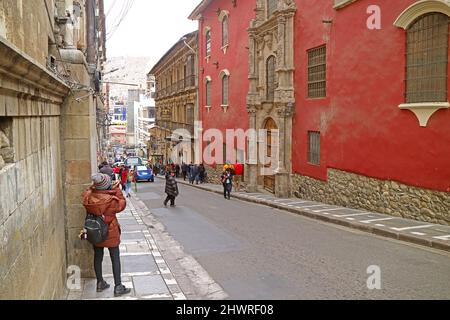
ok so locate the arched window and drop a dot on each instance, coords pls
(208, 92)
(271, 84)
(225, 87)
(208, 42)
(271, 7)
(225, 31)
(427, 59)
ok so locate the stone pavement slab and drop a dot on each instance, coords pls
(417, 232)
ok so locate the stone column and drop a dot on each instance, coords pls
(79, 162)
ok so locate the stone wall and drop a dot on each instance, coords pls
(389, 197)
(32, 225)
(214, 174)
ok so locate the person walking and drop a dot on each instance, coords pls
(106, 169)
(104, 199)
(177, 170)
(227, 182)
(171, 189)
(194, 174)
(124, 177)
(201, 173)
(184, 170)
(130, 179)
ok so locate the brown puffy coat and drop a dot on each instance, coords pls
(107, 203)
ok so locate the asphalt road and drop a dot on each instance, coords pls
(256, 252)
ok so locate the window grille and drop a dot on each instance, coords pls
(225, 31)
(314, 147)
(271, 78)
(427, 59)
(225, 84)
(271, 7)
(208, 93)
(317, 73)
(208, 43)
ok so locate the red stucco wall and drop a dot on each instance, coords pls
(235, 60)
(362, 129)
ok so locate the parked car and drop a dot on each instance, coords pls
(142, 173)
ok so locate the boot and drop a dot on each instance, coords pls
(102, 286)
(121, 290)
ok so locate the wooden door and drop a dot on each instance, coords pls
(269, 181)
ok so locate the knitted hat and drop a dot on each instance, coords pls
(101, 181)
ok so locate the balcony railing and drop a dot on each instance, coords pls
(177, 87)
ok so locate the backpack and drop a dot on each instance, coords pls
(96, 229)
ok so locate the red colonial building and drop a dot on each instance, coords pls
(357, 89)
(223, 69)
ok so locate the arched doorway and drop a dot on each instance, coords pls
(269, 180)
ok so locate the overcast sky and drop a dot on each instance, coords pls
(150, 28)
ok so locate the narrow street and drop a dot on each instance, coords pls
(256, 252)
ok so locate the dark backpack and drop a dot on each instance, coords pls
(96, 229)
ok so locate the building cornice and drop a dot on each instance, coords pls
(339, 4)
(21, 75)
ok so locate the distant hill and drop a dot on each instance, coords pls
(131, 70)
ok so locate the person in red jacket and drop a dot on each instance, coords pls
(105, 199)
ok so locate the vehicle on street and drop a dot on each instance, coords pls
(142, 173)
(133, 161)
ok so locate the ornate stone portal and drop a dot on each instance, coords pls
(271, 93)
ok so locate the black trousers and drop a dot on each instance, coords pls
(171, 199)
(115, 259)
(227, 190)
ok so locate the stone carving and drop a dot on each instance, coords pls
(4, 141)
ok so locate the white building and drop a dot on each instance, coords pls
(144, 119)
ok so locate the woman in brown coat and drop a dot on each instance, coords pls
(104, 199)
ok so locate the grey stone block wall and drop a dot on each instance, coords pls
(32, 222)
(389, 197)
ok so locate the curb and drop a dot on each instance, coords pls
(404, 237)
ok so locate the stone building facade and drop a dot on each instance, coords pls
(48, 141)
(270, 100)
(176, 102)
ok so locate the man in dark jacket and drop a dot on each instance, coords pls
(171, 189)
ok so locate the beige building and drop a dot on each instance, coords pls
(171, 140)
(51, 125)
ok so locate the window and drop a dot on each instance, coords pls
(225, 87)
(271, 78)
(314, 147)
(225, 31)
(427, 59)
(208, 43)
(317, 73)
(271, 7)
(208, 92)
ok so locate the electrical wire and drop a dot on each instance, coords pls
(121, 17)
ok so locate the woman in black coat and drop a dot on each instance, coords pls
(171, 189)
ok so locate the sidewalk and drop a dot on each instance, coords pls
(417, 232)
(144, 270)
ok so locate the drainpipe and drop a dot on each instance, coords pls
(90, 21)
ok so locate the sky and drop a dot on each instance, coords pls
(150, 28)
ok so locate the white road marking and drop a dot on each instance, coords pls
(445, 238)
(351, 215)
(376, 220)
(136, 254)
(318, 205)
(351, 219)
(380, 225)
(325, 210)
(411, 228)
(419, 233)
